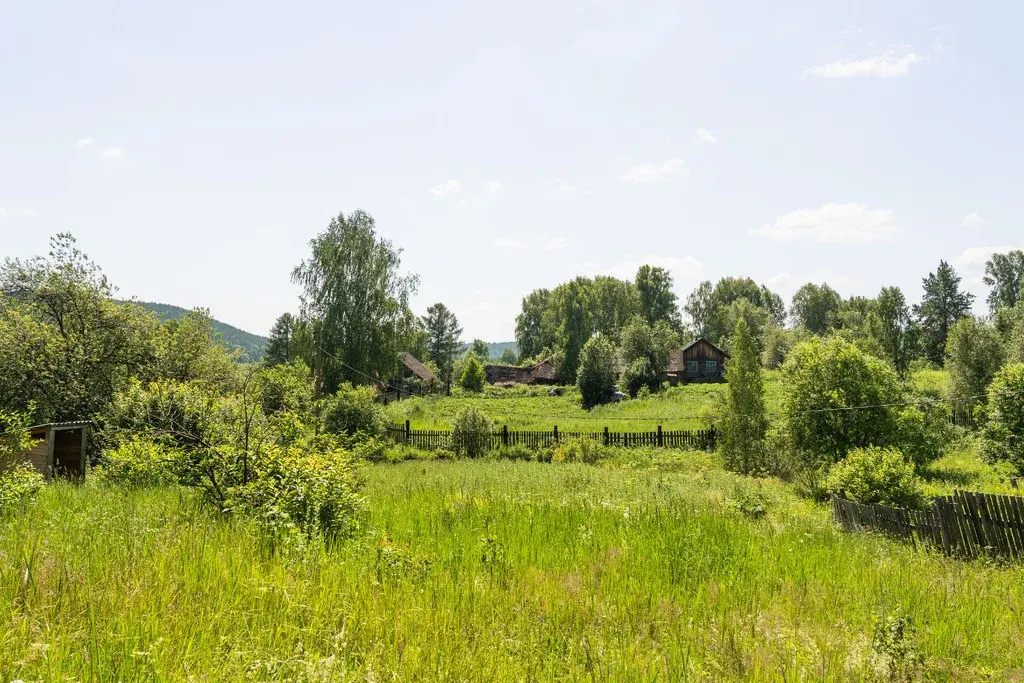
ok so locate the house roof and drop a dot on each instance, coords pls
(417, 368)
(702, 339)
(60, 425)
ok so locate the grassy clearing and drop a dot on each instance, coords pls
(530, 408)
(641, 570)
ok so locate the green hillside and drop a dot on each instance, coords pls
(252, 345)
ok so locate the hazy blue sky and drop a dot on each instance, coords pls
(195, 148)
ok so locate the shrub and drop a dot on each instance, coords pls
(922, 434)
(877, 476)
(298, 491)
(596, 376)
(1003, 429)
(18, 484)
(351, 410)
(825, 378)
(579, 449)
(139, 462)
(471, 433)
(750, 502)
(473, 376)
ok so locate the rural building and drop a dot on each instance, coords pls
(543, 373)
(413, 376)
(698, 361)
(58, 449)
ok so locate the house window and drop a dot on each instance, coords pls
(692, 367)
(710, 366)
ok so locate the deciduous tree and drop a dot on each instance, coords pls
(355, 295)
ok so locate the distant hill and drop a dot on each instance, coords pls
(252, 345)
(498, 348)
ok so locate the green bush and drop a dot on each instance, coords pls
(19, 482)
(596, 376)
(471, 433)
(1003, 430)
(877, 476)
(473, 376)
(351, 410)
(825, 380)
(300, 492)
(923, 433)
(578, 450)
(139, 462)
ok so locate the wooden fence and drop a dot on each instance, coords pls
(704, 439)
(965, 524)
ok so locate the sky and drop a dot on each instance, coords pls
(194, 149)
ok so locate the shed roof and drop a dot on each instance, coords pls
(417, 368)
(60, 425)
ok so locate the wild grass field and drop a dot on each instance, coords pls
(655, 566)
(531, 408)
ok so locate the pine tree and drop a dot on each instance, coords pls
(941, 306)
(443, 334)
(745, 423)
(281, 346)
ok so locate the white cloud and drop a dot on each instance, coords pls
(974, 258)
(563, 189)
(556, 244)
(113, 153)
(973, 221)
(834, 223)
(491, 187)
(649, 173)
(448, 187)
(889, 63)
(506, 243)
(703, 135)
(16, 213)
(85, 143)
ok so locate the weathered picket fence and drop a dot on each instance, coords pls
(703, 439)
(964, 524)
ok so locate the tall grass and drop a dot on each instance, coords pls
(489, 571)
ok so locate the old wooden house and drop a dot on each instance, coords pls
(413, 377)
(542, 373)
(698, 361)
(58, 449)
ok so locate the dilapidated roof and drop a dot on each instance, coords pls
(417, 368)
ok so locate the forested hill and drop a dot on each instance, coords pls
(498, 348)
(252, 345)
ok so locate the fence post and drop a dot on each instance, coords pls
(556, 433)
(660, 440)
(408, 432)
(504, 435)
(605, 436)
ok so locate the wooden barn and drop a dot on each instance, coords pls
(543, 373)
(698, 361)
(413, 377)
(58, 449)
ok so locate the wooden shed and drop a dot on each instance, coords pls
(413, 377)
(58, 449)
(542, 373)
(698, 361)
